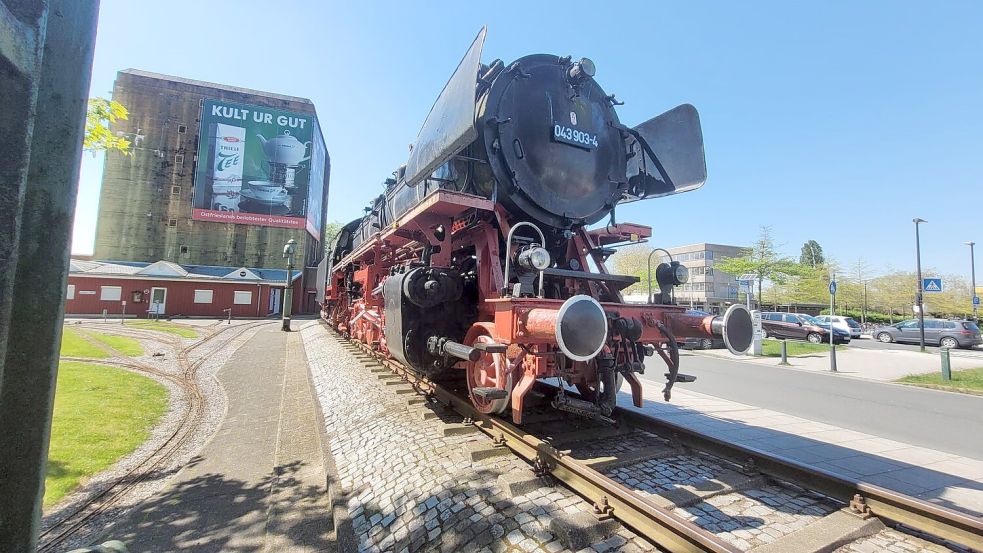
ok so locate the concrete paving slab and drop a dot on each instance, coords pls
(259, 485)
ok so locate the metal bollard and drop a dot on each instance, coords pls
(946, 367)
(783, 346)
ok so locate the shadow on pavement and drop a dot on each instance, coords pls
(215, 513)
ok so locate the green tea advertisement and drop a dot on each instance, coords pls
(259, 166)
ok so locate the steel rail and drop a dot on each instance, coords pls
(863, 498)
(610, 498)
(671, 531)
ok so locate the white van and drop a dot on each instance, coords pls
(842, 323)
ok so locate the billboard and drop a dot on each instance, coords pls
(320, 167)
(256, 166)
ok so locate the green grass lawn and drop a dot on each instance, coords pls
(123, 344)
(183, 331)
(101, 414)
(968, 381)
(772, 348)
(74, 345)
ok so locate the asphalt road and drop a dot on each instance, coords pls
(928, 418)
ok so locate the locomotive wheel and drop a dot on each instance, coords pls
(487, 372)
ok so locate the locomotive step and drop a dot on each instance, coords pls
(491, 348)
(489, 393)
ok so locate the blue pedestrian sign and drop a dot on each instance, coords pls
(832, 287)
(932, 284)
(976, 300)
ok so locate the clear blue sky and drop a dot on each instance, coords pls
(838, 122)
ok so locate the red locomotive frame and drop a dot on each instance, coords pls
(516, 338)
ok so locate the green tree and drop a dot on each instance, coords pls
(761, 260)
(893, 293)
(633, 261)
(810, 284)
(812, 254)
(331, 231)
(99, 115)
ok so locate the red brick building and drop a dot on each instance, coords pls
(171, 290)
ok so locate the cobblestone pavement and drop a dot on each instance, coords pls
(659, 475)
(410, 487)
(756, 517)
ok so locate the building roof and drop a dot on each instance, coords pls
(167, 270)
(193, 82)
(704, 246)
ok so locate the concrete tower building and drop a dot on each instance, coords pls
(218, 175)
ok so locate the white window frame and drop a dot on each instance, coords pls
(105, 291)
(70, 293)
(238, 295)
(200, 296)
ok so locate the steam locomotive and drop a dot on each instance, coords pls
(478, 256)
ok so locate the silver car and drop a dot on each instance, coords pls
(948, 334)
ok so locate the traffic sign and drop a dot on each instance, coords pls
(932, 284)
(832, 287)
(976, 300)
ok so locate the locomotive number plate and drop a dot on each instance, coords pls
(573, 137)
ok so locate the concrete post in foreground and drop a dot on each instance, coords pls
(46, 53)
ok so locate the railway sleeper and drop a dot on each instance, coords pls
(581, 435)
(826, 534)
(728, 481)
(608, 462)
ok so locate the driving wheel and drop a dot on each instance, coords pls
(489, 371)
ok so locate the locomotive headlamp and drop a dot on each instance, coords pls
(671, 274)
(680, 274)
(582, 70)
(535, 258)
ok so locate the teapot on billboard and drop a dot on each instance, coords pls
(255, 166)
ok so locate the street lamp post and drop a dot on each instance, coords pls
(863, 312)
(832, 306)
(972, 265)
(288, 296)
(920, 293)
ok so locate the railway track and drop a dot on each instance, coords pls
(73, 522)
(685, 491)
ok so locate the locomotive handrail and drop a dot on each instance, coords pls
(650, 268)
(508, 253)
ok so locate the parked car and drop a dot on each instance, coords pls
(800, 327)
(843, 323)
(948, 334)
(701, 343)
(840, 336)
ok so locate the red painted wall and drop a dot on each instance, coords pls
(180, 297)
